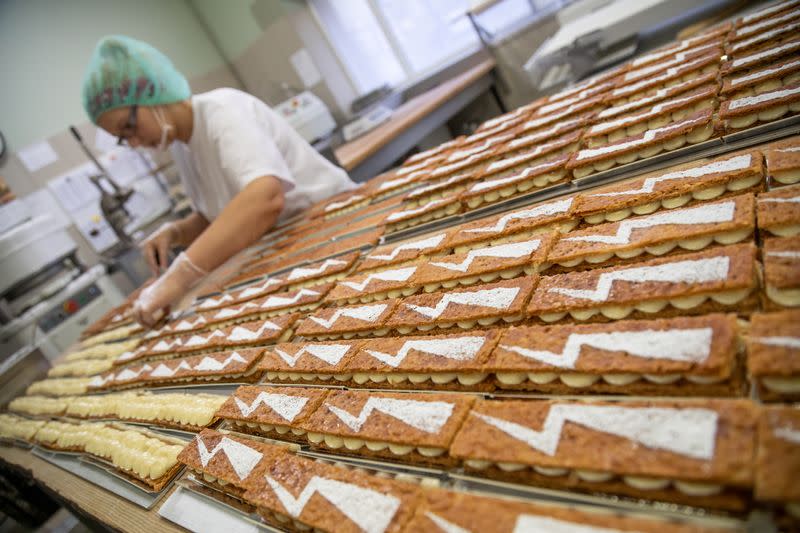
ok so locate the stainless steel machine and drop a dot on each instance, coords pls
(47, 296)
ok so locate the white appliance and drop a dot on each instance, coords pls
(46, 297)
(308, 115)
(366, 122)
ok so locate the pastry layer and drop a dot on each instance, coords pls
(693, 129)
(270, 306)
(391, 254)
(287, 360)
(433, 210)
(629, 356)
(493, 187)
(346, 321)
(727, 276)
(671, 188)
(514, 225)
(230, 460)
(17, 427)
(690, 228)
(782, 270)
(773, 354)
(234, 365)
(420, 422)
(778, 459)
(39, 405)
(742, 112)
(271, 406)
(682, 71)
(763, 56)
(482, 304)
(301, 493)
(778, 211)
(667, 449)
(783, 161)
(460, 512)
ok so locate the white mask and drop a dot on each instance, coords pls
(165, 128)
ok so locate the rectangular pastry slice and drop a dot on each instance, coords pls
(762, 57)
(347, 322)
(407, 427)
(188, 412)
(661, 114)
(654, 97)
(309, 362)
(391, 255)
(773, 355)
(319, 272)
(466, 150)
(15, 427)
(468, 307)
(439, 189)
(485, 264)
(778, 459)
(712, 280)
(443, 362)
(783, 162)
(694, 129)
(254, 290)
(466, 164)
(782, 271)
(697, 452)
(273, 412)
(344, 206)
(684, 356)
(146, 457)
(304, 299)
(640, 237)
(513, 226)
(227, 462)
(671, 188)
(562, 110)
(777, 34)
(380, 285)
(676, 60)
(682, 71)
(461, 512)
(517, 157)
(433, 210)
(520, 179)
(220, 367)
(712, 36)
(59, 386)
(744, 111)
(304, 494)
(770, 10)
(79, 368)
(778, 211)
(180, 324)
(544, 134)
(39, 405)
(760, 80)
(256, 332)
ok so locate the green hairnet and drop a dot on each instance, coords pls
(125, 71)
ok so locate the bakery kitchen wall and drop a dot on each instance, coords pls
(46, 46)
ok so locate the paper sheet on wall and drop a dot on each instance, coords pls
(37, 156)
(304, 66)
(74, 189)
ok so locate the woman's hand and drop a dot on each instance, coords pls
(154, 301)
(157, 246)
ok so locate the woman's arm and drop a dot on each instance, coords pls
(247, 217)
(189, 228)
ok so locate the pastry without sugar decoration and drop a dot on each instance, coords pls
(781, 258)
(778, 211)
(773, 354)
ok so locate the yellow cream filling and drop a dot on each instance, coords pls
(436, 214)
(581, 380)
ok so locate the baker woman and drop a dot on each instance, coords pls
(243, 167)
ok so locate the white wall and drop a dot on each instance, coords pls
(46, 45)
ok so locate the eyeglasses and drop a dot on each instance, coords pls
(129, 129)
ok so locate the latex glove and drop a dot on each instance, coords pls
(153, 302)
(157, 246)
